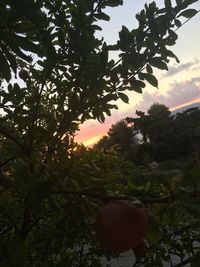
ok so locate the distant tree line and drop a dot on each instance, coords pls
(157, 136)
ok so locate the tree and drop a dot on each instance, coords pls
(186, 134)
(160, 132)
(120, 134)
(71, 79)
(140, 124)
(155, 129)
(167, 136)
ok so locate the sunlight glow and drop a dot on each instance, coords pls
(91, 141)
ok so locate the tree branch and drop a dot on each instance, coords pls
(110, 197)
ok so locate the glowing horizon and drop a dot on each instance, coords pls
(186, 104)
(89, 142)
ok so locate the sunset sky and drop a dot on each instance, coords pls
(177, 87)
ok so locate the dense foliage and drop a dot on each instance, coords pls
(164, 148)
(156, 136)
(50, 187)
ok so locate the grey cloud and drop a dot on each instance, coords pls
(179, 94)
(196, 68)
(180, 67)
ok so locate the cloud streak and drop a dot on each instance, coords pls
(179, 94)
(179, 68)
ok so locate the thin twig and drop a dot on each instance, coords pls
(110, 197)
(175, 233)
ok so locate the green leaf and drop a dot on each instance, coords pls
(16, 251)
(192, 206)
(189, 13)
(11, 58)
(112, 177)
(113, 3)
(101, 118)
(138, 90)
(169, 53)
(28, 9)
(125, 38)
(102, 16)
(26, 45)
(10, 88)
(152, 233)
(4, 67)
(25, 27)
(158, 63)
(13, 44)
(177, 23)
(192, 176)
(149, 69)
(123, 97)
(61, 38)
(113, 47)
(195, 260)
(96, 28)
(191, 1)
(172, 34)
(150, 79)
(137, 85)
(168, 4)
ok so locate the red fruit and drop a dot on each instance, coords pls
(120, 226)
(140, 250)
(23, 74)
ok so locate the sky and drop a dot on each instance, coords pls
(178, 86)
